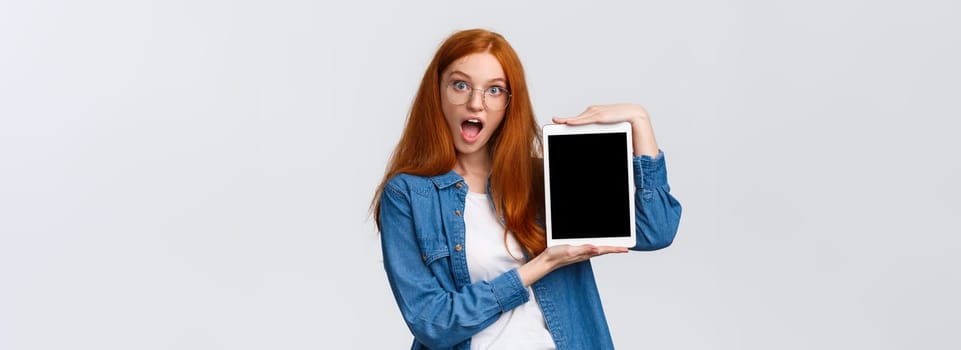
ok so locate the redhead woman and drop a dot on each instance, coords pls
(461, 206)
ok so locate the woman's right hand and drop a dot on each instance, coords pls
(559, 256)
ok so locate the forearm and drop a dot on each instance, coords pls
(644, 142)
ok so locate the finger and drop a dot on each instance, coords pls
(594, 114)
(583, 119)
(612, 249)
(567, 119)
(591, 114)
(594, 251)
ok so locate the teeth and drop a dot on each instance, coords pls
(475, 121)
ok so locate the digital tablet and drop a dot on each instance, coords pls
(588, 184)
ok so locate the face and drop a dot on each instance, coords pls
(472, 122)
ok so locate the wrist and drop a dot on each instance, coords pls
(641, 120)
(535, 269)
(543, 261)
(640, 115)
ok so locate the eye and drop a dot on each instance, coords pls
(460, 85)
(496, 91)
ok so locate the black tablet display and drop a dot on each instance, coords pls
(588, 174)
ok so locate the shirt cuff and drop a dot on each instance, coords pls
(509, 291)
(651, 170)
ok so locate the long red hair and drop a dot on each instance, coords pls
(426, 148)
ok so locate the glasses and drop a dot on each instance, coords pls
(495, 98)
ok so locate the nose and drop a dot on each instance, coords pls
(476, 101)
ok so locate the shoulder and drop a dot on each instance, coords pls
(403, 184)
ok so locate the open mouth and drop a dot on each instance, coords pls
(470, 128)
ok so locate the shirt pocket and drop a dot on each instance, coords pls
(431, 255)
(431, 236)
(429, 229)
(433, 250)
(436, 256)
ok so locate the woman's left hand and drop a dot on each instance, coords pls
(644, 142)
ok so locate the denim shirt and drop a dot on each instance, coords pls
(425, 258)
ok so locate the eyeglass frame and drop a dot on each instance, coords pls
(470, 95)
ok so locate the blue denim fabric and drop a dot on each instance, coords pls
(425, 259)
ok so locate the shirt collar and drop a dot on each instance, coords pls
(446, 180)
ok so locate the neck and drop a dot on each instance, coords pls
(474, 168)
(473, 164)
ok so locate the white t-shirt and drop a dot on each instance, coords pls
(522, 327)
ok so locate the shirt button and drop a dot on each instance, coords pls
(458, 247)
(457, 212)
(459, 185)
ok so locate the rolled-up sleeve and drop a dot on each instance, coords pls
(657, 212)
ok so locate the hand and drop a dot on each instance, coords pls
(566, 254)
(607, 114)
(644, 142)
(559, 256)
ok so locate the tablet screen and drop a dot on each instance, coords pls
(589, 193)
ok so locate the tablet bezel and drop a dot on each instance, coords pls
(562, 129)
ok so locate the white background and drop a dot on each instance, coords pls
(197, 174)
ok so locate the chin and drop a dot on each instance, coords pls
(469, 149)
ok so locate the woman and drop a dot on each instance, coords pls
(461, 205)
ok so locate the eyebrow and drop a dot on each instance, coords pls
(502, 80)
